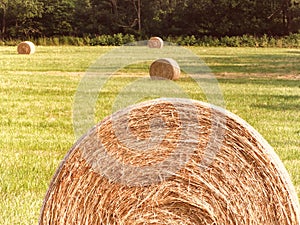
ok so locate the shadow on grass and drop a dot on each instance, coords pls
(257, 63)
(280, 103)
(279, 107)
(247, 79)
(294, 52)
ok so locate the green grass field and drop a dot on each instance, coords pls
(262, 86)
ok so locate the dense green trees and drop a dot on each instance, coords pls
(19, 18)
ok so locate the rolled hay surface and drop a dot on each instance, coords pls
(155, 42)
(26, 47)
(122, 171)
(165, 68)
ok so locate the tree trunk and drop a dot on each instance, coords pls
(3, 30)
(286, 15)
(3, 22)
(137, 8)
(139, 16)
(114, 6)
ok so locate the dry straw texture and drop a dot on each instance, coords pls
(26, 47)
(245, 183)
(165, 68)
(155, 42)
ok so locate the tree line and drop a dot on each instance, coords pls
(144, 18)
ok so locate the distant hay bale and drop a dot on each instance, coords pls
(26, 47)
(165, 68)
(117, 173)
(155, 42)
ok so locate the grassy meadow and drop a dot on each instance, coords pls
(261, 85)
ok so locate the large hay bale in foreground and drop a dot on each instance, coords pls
(155, 42)
(165, 68)
(26, 47)
(122, 171)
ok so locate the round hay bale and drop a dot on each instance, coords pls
(102, 179)
(165, 68)
(155, 42)
(26, 47)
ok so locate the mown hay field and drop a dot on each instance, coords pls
(261, 85)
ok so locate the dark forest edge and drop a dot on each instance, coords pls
(288, 41)
(21, 19)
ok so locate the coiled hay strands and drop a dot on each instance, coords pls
(26, 47)
(165, 68)
(155, 42)
(171, 161)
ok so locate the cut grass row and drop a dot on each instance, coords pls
(37, 94)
